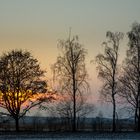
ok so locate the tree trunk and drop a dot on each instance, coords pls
(74, 107)
(17, 124)
(114, 115)
(74, 100)
(136, 118)
(139, 120)
(74, 117)
(139, 112)
(138, 88)
(74, 91)
(138, 103)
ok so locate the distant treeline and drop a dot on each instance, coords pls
(62, 124)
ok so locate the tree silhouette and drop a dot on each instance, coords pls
(64, 109)
(20, 84)
(131, 77)
(128, 85)
(71, 73)
(107, 69)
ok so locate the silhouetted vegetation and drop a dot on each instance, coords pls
(107, 67)
(71, 74)
(130, 79)
(22, 87)
(20, 84)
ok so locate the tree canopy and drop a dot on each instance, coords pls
(21, 83)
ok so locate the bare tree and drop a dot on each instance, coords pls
(71, 74)
(128, 86)
(63, 108)
(131, 78)
(21, 84)
(107, 69)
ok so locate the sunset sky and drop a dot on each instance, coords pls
(37, 25)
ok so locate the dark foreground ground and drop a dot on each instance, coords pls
(69, 136)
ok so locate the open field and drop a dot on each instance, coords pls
(69, 136)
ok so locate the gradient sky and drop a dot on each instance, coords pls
(37, 25)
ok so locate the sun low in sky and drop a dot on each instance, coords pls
(38, 25)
